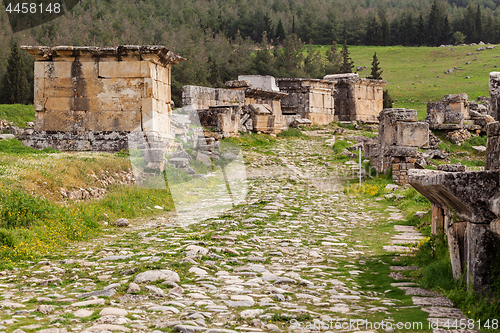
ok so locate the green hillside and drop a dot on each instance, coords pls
(17, 113)
(415, 75)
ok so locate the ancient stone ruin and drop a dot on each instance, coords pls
(495, 94)
(455, 112)
(251, 103)
(400, 135)
(102, 98)
(270, 105)
(357, 99)
(466, 207)
(308, 98)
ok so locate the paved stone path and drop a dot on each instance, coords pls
(297, 256)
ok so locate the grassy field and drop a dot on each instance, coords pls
(415, 75)
(17, 113)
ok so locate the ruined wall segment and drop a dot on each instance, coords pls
(82, 92)
(466, 206)
(400, 136)
(495, 94)
(357, 99)
(309, 98)
(245, 105)
(456, 112)
(201, 98)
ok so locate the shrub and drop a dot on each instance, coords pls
(292, 133)
(6, 238)
(340, 145)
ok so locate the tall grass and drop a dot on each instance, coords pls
(33, 226)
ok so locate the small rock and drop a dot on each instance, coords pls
(479, 149)
(188, 328)
(113, 312)
(155, 290)
(105, 292)
(197, 271)
(273, 328)
(391, 187)
(420, 214)
(252, 313)
(257, 323)
(133, 288)
(45, 309)
(121, 222)
(151, 276)
(83, 313)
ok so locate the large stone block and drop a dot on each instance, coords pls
(468, 193)
(412, 134)
(59, 104)
(118, 104)
(163, 74)
(149, 70)
(67, 120)
(39, 69)
(495, 94)
(155, 122)
(39, 93)
(113, 121)
(493, 153)
(456, 245)
(61, 70)
(481, 259)
(60, 87)
(120, 69)
(123, 88)
(264, 82)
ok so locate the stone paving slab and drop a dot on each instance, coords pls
(432, 301)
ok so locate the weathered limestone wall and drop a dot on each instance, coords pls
(400, 136)
(357, 98)
(258, 109)
(455, 112)
(262, 121)
(101, 93)
(369, 100)
(223, 119)
(201, 98)
(311, 99)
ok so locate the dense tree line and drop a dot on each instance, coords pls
(225, 38)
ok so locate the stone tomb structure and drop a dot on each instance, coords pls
(357, 99)
(308, 98)
(245, 105)
(100, 98)
(455, 112)
(400, 135)
(466, 207)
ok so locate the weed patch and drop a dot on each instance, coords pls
(292, 133)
